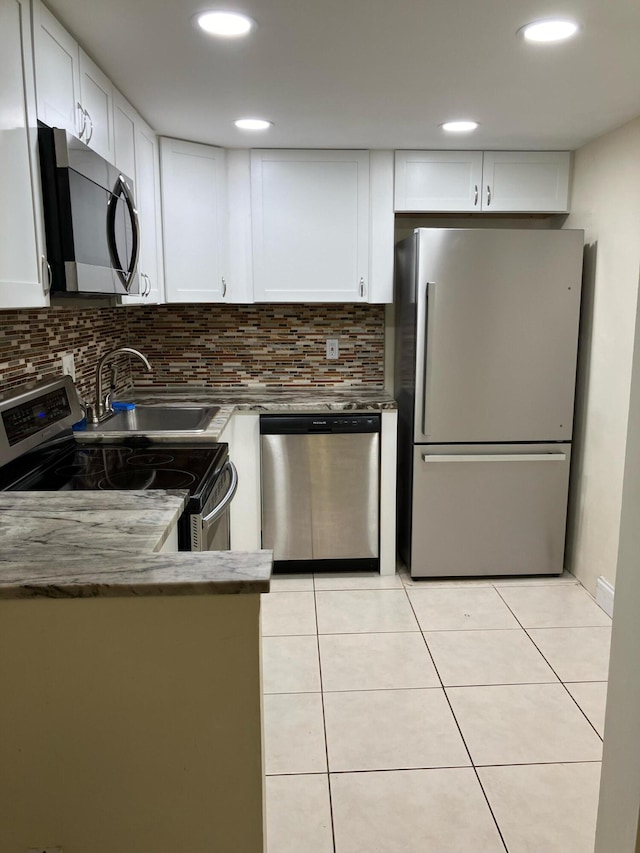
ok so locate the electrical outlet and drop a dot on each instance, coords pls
(69, 369)
(332, 348)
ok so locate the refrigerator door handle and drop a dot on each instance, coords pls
(496, 457)
(424, 366)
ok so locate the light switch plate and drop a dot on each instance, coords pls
(332, 348)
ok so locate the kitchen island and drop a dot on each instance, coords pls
(131, 696)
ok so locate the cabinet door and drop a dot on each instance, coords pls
(438, 180)
(148, 200)
(21, 231)
(57, 73)
(193, 181)
(310, 212)
(125, 119)
(527, 181)
(96, 97)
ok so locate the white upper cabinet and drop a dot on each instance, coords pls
(96, 97)
(149, 210)
(194, 218)
(71, 90)
(24, 281)
(125, 119)
(136, 155)
(473, 181)
(531, 181)
(310, 223)
(57, 66)
(438, 180)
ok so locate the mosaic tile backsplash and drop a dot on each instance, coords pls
(33, 341)
(259, 345)
(240, 346)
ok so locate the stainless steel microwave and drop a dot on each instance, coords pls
(91, 223)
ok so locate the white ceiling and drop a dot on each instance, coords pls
(369, 73)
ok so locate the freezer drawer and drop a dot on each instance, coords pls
(320, 496)
(489, 509)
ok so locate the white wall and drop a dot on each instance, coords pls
(620, 784)
(606, 204)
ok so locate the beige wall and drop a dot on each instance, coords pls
(606, 204)
(131, 725)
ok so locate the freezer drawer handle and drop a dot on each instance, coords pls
(497, 457)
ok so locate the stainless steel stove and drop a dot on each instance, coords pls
(40, 453)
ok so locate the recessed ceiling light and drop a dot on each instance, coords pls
(253, 124)
(459, 126)
(549, 30)
(228, 24)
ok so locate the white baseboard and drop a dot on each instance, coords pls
(604, 595)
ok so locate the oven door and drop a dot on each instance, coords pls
(210, 529)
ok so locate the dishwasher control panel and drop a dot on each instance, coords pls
(320, 423)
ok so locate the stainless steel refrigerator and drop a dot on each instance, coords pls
(486, 346)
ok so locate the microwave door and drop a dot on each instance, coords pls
(123, 235)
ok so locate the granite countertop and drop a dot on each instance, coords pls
(88, 544)
(245, 400)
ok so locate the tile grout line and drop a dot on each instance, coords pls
(324, 719)
(573, 699)
(424, 640)
(435, 768)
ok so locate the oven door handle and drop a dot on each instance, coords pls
(219, 508)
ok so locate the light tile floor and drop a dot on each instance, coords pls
(432, 716)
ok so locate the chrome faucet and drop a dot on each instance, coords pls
(102, 409)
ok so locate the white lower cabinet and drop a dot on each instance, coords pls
(24, 280)
(488, 182)
(194, 216)
(242, 433)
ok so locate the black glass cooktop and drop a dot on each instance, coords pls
(80, 467)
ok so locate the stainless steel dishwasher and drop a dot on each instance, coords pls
(321, 490)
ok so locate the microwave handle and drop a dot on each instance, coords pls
(122, 189)
(219, 508)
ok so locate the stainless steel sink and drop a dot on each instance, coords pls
(154, 420)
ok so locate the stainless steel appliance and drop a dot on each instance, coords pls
(320, 490)
(38, 453)
(486, 344)
(91, 224)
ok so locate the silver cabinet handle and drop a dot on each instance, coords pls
(48, 278)
(217, 511)
(224, 287)
(488, 195)
(361, 286)
(83, 115)
(496, 457)
(475, 196)
(88, 139)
